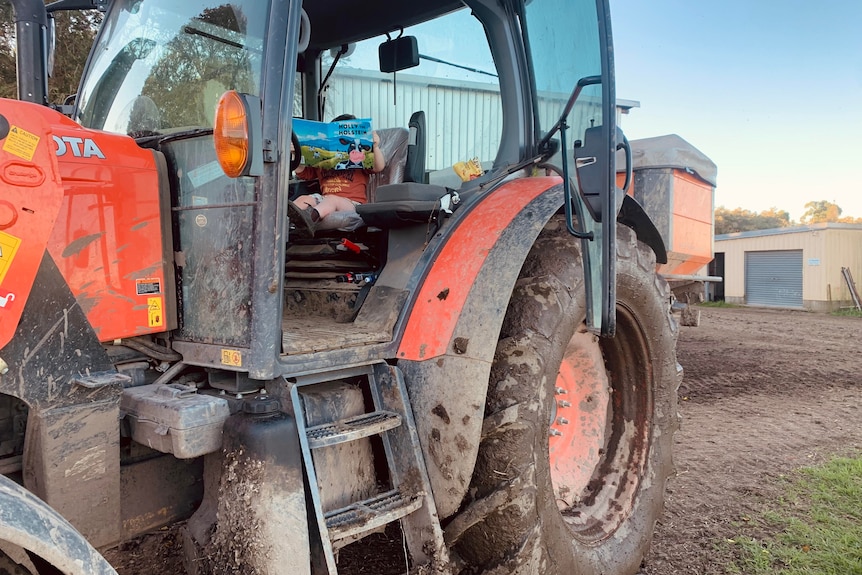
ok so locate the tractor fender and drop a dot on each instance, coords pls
(28, 523)
(453, 323)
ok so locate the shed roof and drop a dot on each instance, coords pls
(789, 230)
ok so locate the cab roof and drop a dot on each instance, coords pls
(337, 22)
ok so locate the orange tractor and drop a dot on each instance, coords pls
(486, 367)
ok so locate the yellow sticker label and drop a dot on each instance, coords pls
(231, 357)
(8, 248)
(21, 143)
(155, 317)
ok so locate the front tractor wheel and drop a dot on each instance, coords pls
(577, 439)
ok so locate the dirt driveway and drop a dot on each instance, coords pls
(764, 392)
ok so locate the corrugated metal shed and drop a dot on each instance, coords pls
(825, 249)
(475, 107)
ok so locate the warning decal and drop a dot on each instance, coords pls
(148, 286)
(231, 357)
(155, 316)
(8, 248)
(21, 143)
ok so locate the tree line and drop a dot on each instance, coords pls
(75, 31)
(741, 220)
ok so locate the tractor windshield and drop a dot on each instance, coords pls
(160, 66)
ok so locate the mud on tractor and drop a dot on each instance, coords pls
(485, 366)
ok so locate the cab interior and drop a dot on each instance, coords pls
(343, 288)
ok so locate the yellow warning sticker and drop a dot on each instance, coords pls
(8, 248)
(155, 317)
(21, 143)
(231, 357)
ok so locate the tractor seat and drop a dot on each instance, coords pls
(404, 151)
(404, 204)
(393, 146)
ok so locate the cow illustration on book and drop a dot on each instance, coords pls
(356, 151)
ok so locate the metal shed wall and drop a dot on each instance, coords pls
(843, 248)
(826, 248)
(475, 106)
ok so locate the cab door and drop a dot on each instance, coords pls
(571, 56)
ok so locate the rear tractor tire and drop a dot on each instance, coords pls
(577, 440)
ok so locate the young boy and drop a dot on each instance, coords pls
(340, 190)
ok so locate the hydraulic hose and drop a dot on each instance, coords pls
(151, 349)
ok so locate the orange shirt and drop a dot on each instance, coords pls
(350, 183)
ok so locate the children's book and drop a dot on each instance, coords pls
(339, 145)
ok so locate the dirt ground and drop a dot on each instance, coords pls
(765, 392)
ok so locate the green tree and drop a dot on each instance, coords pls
(75, 32)
(740, 220)
(821, 211)
(190, 62)
(7, 53)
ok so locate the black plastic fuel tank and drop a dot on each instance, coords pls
(262, 524)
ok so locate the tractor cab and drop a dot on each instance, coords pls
(463, 96)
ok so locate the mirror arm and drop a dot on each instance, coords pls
(567, 192)
(322, 87)
(583, 82)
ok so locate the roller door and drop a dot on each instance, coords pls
(774, 278)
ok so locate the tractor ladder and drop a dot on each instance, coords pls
(345, 509)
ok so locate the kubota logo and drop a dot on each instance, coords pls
(80, 147)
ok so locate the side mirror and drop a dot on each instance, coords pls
(591, 161)
(399, 54)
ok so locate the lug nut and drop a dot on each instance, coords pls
(559, 391)
(564, 403)
(562, 421)
(555, 433)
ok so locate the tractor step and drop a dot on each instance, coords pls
(351, 428)
(402, 491)
(370, 514)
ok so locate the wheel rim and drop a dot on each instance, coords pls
(578, 418)
(599, 435)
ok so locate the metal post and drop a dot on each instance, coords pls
(31, 29)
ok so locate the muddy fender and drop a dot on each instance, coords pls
(28, 523)
(454, 321)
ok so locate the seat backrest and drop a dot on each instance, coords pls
(393, 146)
(415, 168)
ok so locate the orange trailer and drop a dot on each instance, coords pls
(675, 183)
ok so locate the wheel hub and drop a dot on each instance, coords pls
(599, 436)
(579, 419)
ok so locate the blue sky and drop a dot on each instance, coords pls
(770, 90)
